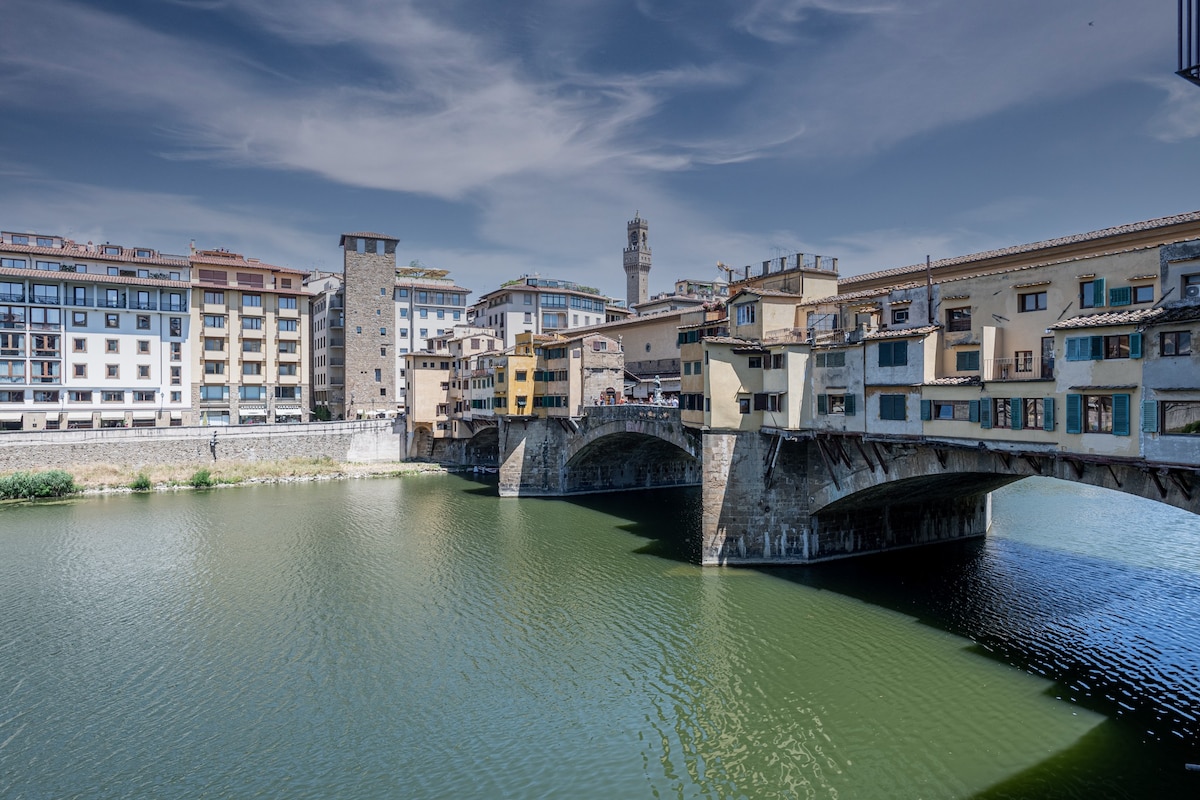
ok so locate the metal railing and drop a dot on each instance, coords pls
(1023, 368)
(1189, 41)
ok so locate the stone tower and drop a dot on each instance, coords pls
(369, 261)
(637, 261)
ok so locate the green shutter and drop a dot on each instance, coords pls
(849, 405)
(1075, 348)
(1149, 416)
(1048, 414)
(985, 412)
(822, 404)
(681, 338)
(1097, 346)
(1135, 345)
(1074, 413)
(885, 354)
(926, 409)
(973, 410)
(1098, 297)
(1016, 413)
(1121, 414)
(900, 353)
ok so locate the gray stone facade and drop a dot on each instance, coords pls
(370, 342)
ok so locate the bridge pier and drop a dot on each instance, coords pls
(771, 500)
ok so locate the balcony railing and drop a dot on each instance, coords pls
(143, 305)
(45, 299)
(1189, 40)
(108, 303)
(1027, 368)
(168, 306)
(19, 297)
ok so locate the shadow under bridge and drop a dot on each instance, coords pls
(621, 448)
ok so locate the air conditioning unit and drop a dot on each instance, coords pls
(1192, 291)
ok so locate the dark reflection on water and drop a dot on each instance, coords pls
(1095, 590)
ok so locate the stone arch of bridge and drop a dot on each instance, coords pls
(927, 475)
(624, 432)
(619, 459)
(483, 448)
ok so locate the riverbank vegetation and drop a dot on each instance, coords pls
(31, 485)
(199, 475)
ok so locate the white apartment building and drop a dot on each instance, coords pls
(429, 304)
(92, 335)
(542, 306)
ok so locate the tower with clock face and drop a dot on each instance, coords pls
(637, 261)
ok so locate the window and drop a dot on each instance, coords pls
(290, 347)
(143, 346)
(79, 370)
(949, 409)
(252, 301)
(44, 318)
(1033, 412)
(252, 393)
(899, 316)
(958, 319)
(214, 321)
(79, 396)
(1143, 294)
(1001, 412)
(289, 303)
(213, 345)
(893, 406)
(13, 263)
(176, 376)
(176, 351)
(176, 326)
(13, 344)
(211, 393)
(746, 313)
(1116, 346)
(45, 395)
(252, 323)
(214, 298)
(10, 395)
(1023, 361)
(378, 375)
(176, 397)
(78, 344)
(287, 369)
(252, 345)
(252, 368)
(1175, 343)
(893, 354)
(1098, 413)
(966, 361)
(835, 404)
(1032, 301)
(754, 362)
(1091, 293)
(1180, 417)
(112, 371)
(833, 359)
(112, 345)
(214, 367)
(290, 325)
(79, 319)
(1120, 295)
(743, 405)
(383, 331)
(146, 396)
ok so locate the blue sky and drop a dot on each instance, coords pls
(497, 138)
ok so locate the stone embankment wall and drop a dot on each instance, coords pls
(366, 441)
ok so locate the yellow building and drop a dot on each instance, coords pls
(250, 358)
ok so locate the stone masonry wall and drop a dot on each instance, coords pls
(370, 285)
(365, 442)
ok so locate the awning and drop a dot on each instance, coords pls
(112, 415)
(176, 415)
(79, 416)
(144, 415)
(252, 412)
(287, 409)
(10, 416)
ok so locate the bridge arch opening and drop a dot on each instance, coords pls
(624, 460)
(483, 449)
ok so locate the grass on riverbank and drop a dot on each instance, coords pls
(117, 477)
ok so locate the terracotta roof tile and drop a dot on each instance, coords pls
(956, 380)
(1106, 318)
(899, 333)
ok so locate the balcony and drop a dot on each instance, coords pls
(118, 302)
(12, 297)
(337, 321)
(143, 305)
(45, 299)
(1028, 368)
(335, 342)
(177, 307)
(85, 302)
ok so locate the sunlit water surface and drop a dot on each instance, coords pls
(422, 638)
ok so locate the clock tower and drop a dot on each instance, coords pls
(637, 261)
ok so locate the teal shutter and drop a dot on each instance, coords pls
(1048, 414)
(822, 404)
(1074, 348)
(900, 353)
(1121, 414)
(1097, 346)
(1098, 297)
(1074, 413)
(926, 409)
(1149, 416)
(1120, 296)
(973, 410)
(985, 412)
(849, 401)
(885, 354)
(1016, 413)
(1135, 345)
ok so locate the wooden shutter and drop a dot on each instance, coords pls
(973, 410)
(849, 405)
(1074, 413)
(1149, 416)
(1120, 414)
(822, 404)
(985, 412)
(926, 409)
(1135, 345)
(1048, 413)
(1016, 413)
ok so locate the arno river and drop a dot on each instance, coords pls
(422, 638)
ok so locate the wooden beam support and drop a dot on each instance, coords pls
(1004, 459)
(941, 457)
(828, 466)
(862, 452)
(1162, 490)
(1113, 472)
(1032, 462)
(1177, 479)
(879, 457)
